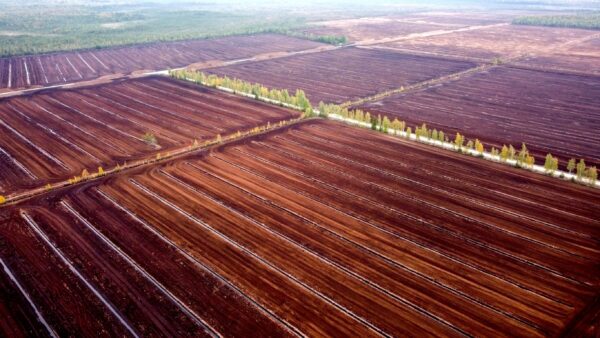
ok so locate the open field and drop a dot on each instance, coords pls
(373, 28)
(551, 112)
(50, 69)
(460, 18)
(343, 74)
(319, 229)
(583, 57)
(501, 41)
(56, 134)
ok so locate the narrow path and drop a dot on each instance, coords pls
(174, 299)
(76, 272)
(25, 294)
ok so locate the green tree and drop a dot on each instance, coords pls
(504, 153)
(551, 163)
(511, 152)
(523, 153)
(441, 136)
(368, 118)
(479, 147)
(458, 141)
(592, 175)
(530, 160)
(385, 124)
(571, 165)
(580, 169)
(149, 138)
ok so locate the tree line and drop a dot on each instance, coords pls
(507, 153)
(298, 99)
(584, 21)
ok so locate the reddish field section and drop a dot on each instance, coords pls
(49, 69)
(550, 112)
(319, 230)
(343, 74)
(373, 28)
(500, 41)
(583, 57)
(56, 134)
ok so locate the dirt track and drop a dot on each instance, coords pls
(41, 143)
(551, 112)
(357, 231)
(57, 68)
(344, 74)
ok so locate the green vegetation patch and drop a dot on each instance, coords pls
(33, 30)
(583, 21)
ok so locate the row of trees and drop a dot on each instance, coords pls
(298, 99)
(85, 175)
(507, 153)
(580, 168)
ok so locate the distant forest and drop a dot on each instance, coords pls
(41, 29)
(584, 21)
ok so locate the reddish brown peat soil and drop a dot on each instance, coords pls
(372, 28)
(583, 57)
(344, 74)
(503, 41)
(49, 69)
(324, 229)
(18, 319)
(551, 112)
(461, 18)
(167, 295)
(56, 134)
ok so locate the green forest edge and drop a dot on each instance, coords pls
(577, 170)
(582, 21)
(13, 50)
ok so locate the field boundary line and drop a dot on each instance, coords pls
(180, 304)
(427, 34)
(261, 308)
(479, 187)
(18, 164)
(201, 265)
(375, 253)
(417, 219)
(150, 160)
(53, 133)
(25, 294)
(445, 192)
(35, 146)
(76, 272)
(260, 259)
(323, 258)
(388, 232)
